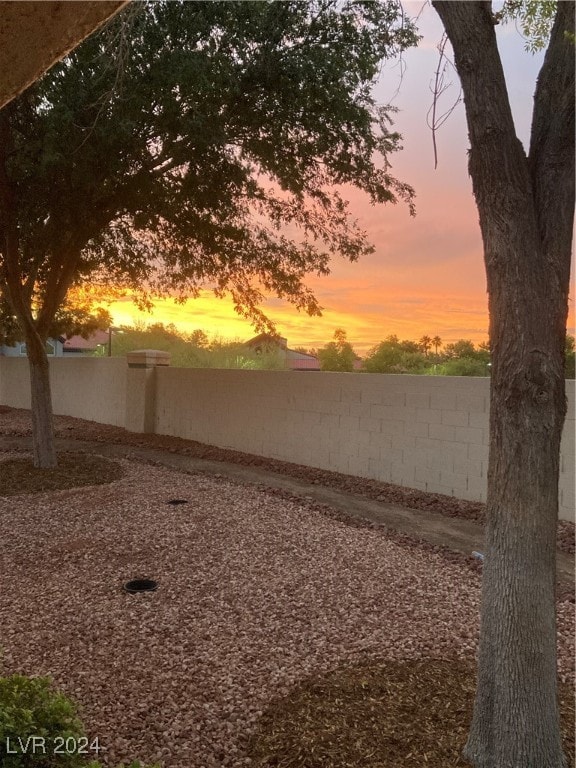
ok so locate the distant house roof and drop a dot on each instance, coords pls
(301, 361)
(18, 349)
(295, 361)
(80, 344)
(266, 340)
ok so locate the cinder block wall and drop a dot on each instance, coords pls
(423, 432)
(14, 382)
(91, 388)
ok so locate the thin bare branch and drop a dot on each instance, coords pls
(440, 86)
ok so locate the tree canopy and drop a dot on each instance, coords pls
(395, 356)
(175, 161)
(337, 355)
(173, 150)
(78, 315)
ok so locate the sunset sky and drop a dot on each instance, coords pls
(426, 275)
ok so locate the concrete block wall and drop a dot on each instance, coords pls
(14, 382)
(90, 388)
(424, 432)
(421, 432)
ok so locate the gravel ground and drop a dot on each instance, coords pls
(15, 421)
(255, 594)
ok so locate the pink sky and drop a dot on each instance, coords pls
(426, 275)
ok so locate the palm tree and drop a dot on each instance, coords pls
(437, 342)
(425, 344)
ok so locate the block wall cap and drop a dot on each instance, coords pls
(148, 358)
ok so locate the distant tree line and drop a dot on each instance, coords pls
(461, 358)
(192, 350)
(337, 355)
(428, 356)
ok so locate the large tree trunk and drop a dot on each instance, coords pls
(526, 215)
(44, 451)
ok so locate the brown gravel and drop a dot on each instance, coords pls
(256, 594)
(272, 623)
(15, 421)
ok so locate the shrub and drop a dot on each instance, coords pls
(40, 728)
(31, 707)
(465, 366)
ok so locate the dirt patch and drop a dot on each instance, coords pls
(19, 475)
(404, 714)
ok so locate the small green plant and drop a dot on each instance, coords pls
(133, 764)
(40, 728)
(33, 715)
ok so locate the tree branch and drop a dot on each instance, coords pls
(551, 157)
(493, 140)
(434, 121)
(55, 293)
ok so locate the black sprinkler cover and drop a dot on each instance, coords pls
(140, 585)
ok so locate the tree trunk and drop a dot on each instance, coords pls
(526, 213)
(44, 451)
(20, 302)
(516, 723)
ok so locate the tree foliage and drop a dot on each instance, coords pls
(395, 356)
(195, 349)
(535, 18)
(178, 160)
(74, 318)
(175, 163)
(464, 366)
(337, 355)
(425, 344)
(460, 348)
